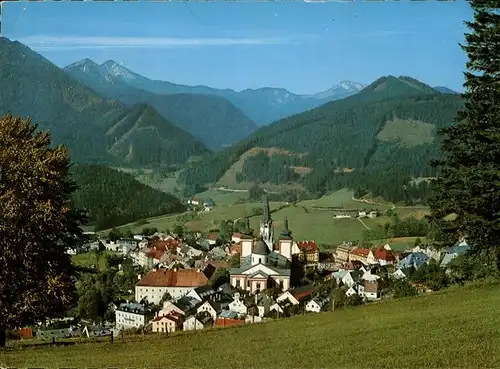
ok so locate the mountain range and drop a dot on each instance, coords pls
(262, 106)
(211, 119)
(96, 129)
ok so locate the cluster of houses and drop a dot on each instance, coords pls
(177, 278)
(363, 213)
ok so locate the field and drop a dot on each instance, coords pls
(308, 220)
(431, 331)
(90, 258)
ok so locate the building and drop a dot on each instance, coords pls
(309, 252)
(177, 282)
(263, 265)
(342, 253)
(317, 305)
(365, 256)
(167, 323)
(383, 256)
(296, 295)
(132, 315)
(194, 323)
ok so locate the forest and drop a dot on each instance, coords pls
(342, 135)
(112, 198)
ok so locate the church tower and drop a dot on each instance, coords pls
(266, 224)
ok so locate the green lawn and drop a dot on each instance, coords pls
(91, 258)
(342, 199)
(452, 329)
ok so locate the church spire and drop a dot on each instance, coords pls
(286, 231)
(266, 216)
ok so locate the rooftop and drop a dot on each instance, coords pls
(174, 278)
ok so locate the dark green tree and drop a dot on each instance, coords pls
(37, 225)
(466, 199)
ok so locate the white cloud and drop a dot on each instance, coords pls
(104, 42)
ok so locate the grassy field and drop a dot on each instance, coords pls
(90, 258)
(308, 220)
(432, 331)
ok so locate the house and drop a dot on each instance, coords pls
(263, 303)
(208, 205)
(415, 260)
(362, 214)
(228, 315)
(342, 253)
(383, 256)
(177, 282)
(132, 315)
(347, 277)
(212, 238)
(235, 249)
(402, 273)
(167, 323)
(225, 322)
(188, 251)
(362, 255)
(201, 293)
(217, 253)
(90, 331)
(317, 304)
(194, 323)
(211, 307)
(309, 252)
(296, 295)
(373, 214)
(194, 202)
(370, 290)
(452, 252)
(236, 237)
(183, 306)
(57, 333)
(238, 306)
(353, 290)
(342, 214)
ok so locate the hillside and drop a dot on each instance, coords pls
(211, 119)
(262, 106)
(376, 140)
(81, 119)
(113, 198)
(436, 330)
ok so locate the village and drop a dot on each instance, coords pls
(248, 280)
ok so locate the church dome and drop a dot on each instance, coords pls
(260, 248)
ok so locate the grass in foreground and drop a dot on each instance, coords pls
(452, 329)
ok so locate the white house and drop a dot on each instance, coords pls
(210, 307)
(351, 291)
(200, 293)
(238, 306)
(132, 315)
(167, 323)
(194, 323)
(316, 305)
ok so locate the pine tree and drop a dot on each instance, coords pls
(466, 199)
(37, 225)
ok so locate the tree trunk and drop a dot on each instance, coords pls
(3, 337)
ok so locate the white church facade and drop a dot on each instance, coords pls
(264, 264)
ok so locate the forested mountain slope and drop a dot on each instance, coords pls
(114, 198)
(376, 140)
(81, 119)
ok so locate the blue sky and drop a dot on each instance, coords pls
(303, 47)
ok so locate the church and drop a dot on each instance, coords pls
(264, 264)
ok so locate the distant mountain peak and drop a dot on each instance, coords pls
(339, 91)
(117, 70)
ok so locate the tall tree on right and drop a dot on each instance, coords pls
(466, 200)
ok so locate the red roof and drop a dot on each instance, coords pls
(237, 235)
(360, 252)
(155, 254)
(382, 254)
(213, 237)
(164, 245)
(308, 246)
(228, 322)
(174, 278)
(302, 292)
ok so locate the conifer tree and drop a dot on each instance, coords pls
(466, 199)
(37, 225)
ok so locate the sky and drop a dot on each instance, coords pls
(303, 47)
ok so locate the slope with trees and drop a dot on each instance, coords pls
(82, 120)
(346, 134)
(113, 198)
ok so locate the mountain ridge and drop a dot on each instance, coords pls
(74, 113)
(262, 106)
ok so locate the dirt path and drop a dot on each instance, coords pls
(364, 225)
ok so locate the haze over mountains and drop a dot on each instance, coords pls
(262, 105)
